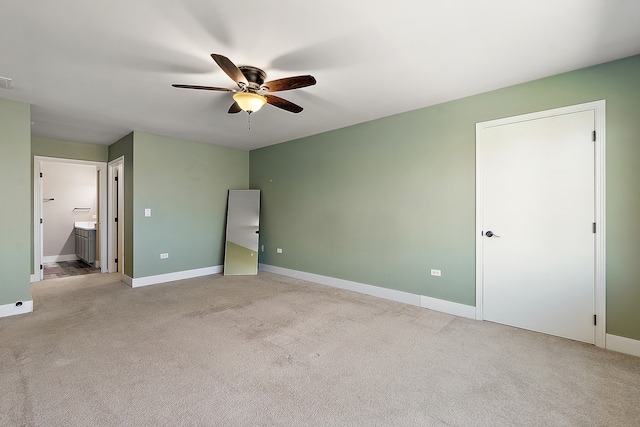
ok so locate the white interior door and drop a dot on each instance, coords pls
(243, 220)
(538, 213)
(116, 216)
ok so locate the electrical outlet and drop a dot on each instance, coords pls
(279, 250)
(164, 256)
(435, 272)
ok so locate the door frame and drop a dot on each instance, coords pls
(599, 214)
(116, 230)
(38, 240)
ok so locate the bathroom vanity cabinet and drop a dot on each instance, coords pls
(86, 244)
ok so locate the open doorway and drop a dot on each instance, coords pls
(70, 211)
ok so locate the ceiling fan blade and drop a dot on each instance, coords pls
(289, 83)
(235, 108)
(231, 69)
(223, 89)
(283, 103)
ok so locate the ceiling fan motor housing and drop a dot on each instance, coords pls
(255, 76)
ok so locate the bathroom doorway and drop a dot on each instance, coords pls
(70, 212)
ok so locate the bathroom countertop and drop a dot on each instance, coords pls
(85, 225)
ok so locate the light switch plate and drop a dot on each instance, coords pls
(147, 212)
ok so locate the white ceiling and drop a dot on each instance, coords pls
(93, 71)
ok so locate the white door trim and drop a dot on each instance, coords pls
(117, 164)
(600, 206)
(101, 167)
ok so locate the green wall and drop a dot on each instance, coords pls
(185, 185)
(15, 136)
(383, 202)
(49, 147)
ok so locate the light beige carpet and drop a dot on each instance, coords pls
(274, 351)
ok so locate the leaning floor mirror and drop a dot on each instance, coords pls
(243, 221)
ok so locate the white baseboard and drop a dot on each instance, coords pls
(361, 288)
(377, 291)
(622, 345)
(34, 278)
(59, 258)
(457, 309)
(13, 309)
(170, 277)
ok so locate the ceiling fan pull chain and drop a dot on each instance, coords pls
(249, 119)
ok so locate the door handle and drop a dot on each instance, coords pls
(491, 234)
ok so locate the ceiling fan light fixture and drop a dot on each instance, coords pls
(249, 102)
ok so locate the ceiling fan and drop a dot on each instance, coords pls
(253, 90)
